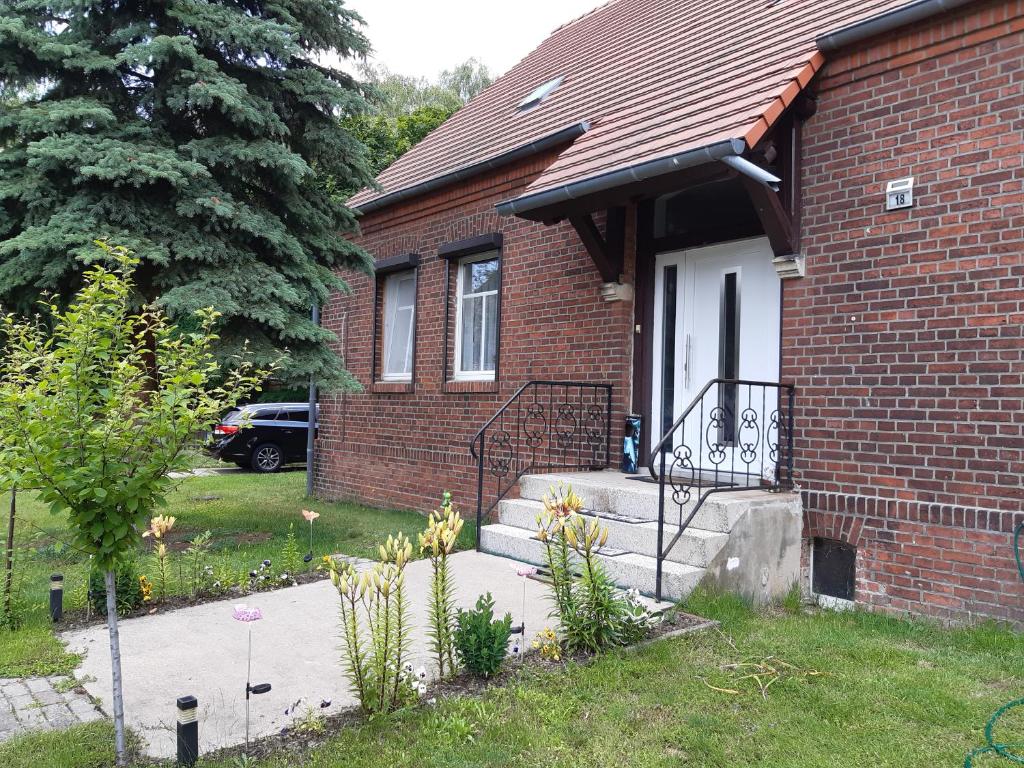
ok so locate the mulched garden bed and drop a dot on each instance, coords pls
(296, 742)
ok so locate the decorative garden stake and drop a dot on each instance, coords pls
(310, 516)
(524, 572)
(56, 597)
(188, 731)
(248, 615)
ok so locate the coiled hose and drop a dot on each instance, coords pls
(991, 745)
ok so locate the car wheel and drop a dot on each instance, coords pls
(267, 458)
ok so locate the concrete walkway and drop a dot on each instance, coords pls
(42, 704)
(202, 651)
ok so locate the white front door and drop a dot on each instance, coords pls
(716, 315)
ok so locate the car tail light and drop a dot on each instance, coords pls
(224, 429)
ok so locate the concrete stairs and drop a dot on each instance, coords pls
(741, 541)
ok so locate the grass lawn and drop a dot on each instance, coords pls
(248, 515)
(893, 693)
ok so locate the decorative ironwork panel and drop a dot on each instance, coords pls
(545, 426)
(735, 436)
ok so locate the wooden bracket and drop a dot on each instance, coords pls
(777, 223)
(608, 251)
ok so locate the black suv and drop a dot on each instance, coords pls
(263, 436)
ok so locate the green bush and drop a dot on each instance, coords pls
(480, 640)
(129, 590)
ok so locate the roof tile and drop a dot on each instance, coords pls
(654, 77)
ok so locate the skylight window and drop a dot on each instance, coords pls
(538, 94)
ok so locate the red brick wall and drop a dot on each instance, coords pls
(905, 337)
(397, 445)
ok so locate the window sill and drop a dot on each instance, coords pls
(392, 387)
(469, 386)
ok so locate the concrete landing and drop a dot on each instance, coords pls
(202, 651)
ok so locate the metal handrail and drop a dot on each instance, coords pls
(574, 434)
(719, 419)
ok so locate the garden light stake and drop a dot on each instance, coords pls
(310, 515)
(248, 615)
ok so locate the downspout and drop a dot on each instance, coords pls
(756, 172)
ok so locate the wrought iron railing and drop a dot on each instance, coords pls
(544, 426)
(736, 435)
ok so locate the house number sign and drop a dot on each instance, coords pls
(899, 194)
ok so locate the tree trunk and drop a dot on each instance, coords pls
(115, 667)
(9, 556)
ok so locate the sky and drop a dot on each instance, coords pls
(424, 37)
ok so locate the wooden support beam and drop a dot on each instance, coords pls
(778, 225)
(607, 252)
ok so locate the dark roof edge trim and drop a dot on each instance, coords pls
(396, 263)
(885, 22)
(480, 244)
(563, 136)
(639, 172)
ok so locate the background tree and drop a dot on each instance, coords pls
(405, 109)
(84, 418)
(467, 79)
(192, 132)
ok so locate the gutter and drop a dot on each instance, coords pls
(564, 136)
(886, 22)
(639, 172)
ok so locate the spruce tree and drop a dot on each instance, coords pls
(198, 134)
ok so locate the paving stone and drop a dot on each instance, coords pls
(8, 722)
(11, 688)
(59, 716)
(49, 696)
(38, 684)
(31, 718)
(89, 716)
(81, 706)
(21, 701)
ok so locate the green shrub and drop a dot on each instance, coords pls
(128, 589)
(480, 640)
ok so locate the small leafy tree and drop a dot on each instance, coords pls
(97, 403)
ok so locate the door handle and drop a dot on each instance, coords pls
(686, 363)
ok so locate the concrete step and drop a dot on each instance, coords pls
(628, 569)
(695, 547)
(615, 493)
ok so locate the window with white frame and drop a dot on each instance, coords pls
(476, 329)
(399, 325)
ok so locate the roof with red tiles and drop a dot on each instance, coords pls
(649, 78)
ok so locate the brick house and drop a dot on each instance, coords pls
(786, 237)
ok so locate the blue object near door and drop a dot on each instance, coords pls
(631, 444)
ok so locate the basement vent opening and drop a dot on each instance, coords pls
(538, 94)
(833, 569)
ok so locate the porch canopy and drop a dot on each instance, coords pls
(641, 97)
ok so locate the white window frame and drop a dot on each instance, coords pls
(390, 312)
(460, 296)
